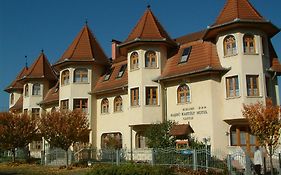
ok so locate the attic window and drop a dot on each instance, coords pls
(108, 74)
(121, 71)
(185, 55)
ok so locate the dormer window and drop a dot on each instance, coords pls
(185, 55)
(230, 47)
(36, 89)
(108, 74)
(65, 77)
(134, 60)
(150, 59)
(249, 44)
(81, 75)
(26, 91)
(122, 71)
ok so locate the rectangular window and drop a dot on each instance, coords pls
(122, 71)
(185, 54)
(64, 104)
(232, 86)
(35, 113)
(151, 95)
(81, 104)
(135, 97)
(252, 85)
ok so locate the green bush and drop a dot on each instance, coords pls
(130, 169)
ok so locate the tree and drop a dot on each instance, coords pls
(265, 124)
(16, 131)
(158, 135)
(64, 128)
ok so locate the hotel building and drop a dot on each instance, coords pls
(200, 80)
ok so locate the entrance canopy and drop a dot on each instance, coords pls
(181, 130)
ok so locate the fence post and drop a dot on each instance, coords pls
(194, 160)
(229, 163)
(279, 156)
(248, 164)
(153, 157)
(117, 157)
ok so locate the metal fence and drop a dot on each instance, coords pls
(235, 163)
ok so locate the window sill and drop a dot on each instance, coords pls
(135, 106)
(37, 95)
(185, 103)
(232, 55)
(151, 67)
(105, 113)
(116, 112)
(251, 53)
(254, 96)
(234, 97)
(135, 69)
(157, 105)
(81, 83)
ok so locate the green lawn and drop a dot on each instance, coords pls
(28, 169)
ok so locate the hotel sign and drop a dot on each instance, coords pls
(189, 113)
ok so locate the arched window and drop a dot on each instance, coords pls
(183, 94)
(104, 106)
(12, 98)
(118, 104)
(229, 45)
(65, 77)
(150, 59)
(36, 89)
(81, 75)
(134, 60)
(111, 140)
(26, 91)
(249, 44)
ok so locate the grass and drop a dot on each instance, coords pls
(32, 169)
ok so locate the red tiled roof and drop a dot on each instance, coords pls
(181, 130)
(52, 95)
(84, 48)
(274, 62)
(191, 37)
(18, 105)
(148, 28)
(41, 68)
(203, 56)
(16, 84)
(113, 82)
(238, 9)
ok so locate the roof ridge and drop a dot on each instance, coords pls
(79, 38)
(145, 20)
(88, 36)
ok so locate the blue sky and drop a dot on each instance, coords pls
(27, 26)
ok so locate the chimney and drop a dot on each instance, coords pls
(114, 49)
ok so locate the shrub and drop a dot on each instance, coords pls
(130, 169)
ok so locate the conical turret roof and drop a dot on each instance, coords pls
(41, 68)
(238, 9)
(84, 48)
(16, 84)
(148, 28)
